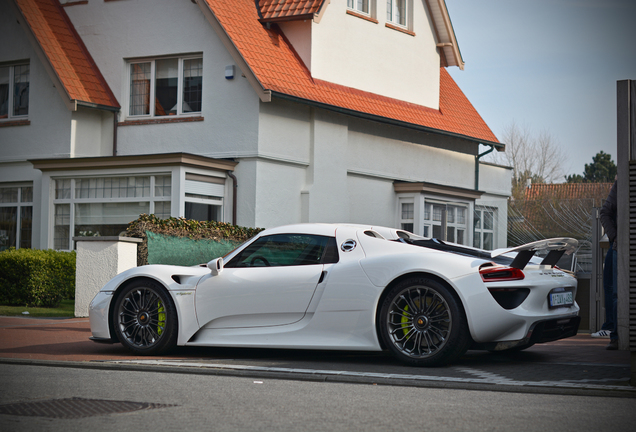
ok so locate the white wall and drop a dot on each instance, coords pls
(48, 135)
(113, 32)
(349, 167)
(91, 133)
(357, 53)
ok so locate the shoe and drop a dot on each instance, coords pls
(601, 334)
(613, 345)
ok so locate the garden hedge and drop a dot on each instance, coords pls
(181, 227)
(36, 278)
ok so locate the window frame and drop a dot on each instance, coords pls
(153, 84)
(11, 96)
(72, 201)
(429, 223)
(393, 7)
(352, 5)
(19, 205)
(478, 232)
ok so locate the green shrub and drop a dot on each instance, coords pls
(181, 227)
(40, 278)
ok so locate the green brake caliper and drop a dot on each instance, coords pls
(161, 317)
(405, 320)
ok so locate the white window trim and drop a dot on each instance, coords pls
(151, 199)
(10, 115)
(180, 80)
(400, 218)
(408, 11)
(480, 231)
(372, 8)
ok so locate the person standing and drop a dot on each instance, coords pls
(608, 220)
(608, 284)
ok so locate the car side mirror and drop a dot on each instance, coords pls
(216, 266)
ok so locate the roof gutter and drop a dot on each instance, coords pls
(385, 120)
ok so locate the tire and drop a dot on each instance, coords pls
(145, 319)
(423, 324)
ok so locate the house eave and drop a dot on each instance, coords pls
(386, 120)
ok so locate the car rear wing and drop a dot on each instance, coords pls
(556, 247)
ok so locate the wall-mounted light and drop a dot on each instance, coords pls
(229, 72)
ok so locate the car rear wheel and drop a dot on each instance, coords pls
(423, 324)
(145, 318)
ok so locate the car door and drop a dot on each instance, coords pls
(271, 282)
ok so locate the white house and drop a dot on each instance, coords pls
(258, 113)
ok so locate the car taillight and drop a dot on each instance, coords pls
(501, 274)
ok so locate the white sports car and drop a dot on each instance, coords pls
(346, 287)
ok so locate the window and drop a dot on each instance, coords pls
(166, 87)
(105, 205)
(16, 216)
(14, 91)
(445, 222)
(484, 228)
(396, 12)
(407, 216)
(287, 250)
(361, 6)
(204, 197)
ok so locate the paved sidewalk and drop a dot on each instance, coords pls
(578, 364)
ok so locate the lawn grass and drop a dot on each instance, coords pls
(65, 309)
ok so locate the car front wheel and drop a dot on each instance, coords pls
(145, 318)
(423, 324)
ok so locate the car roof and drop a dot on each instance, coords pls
(326, 229)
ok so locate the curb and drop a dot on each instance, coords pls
(334, 376)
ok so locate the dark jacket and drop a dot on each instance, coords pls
(608, 215)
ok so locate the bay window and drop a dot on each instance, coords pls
(16, 216)
(105, 206)
(484, 228)
(445, 221)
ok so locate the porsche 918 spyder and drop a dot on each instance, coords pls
(346, 287)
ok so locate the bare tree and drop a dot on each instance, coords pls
(533, 158)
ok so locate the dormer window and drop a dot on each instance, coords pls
(361, 6)
(396, 11)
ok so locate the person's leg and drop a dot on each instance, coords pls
(614, 335)
(608, 284)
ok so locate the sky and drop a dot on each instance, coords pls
(548, 65)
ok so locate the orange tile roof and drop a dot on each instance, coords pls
(278, 68)
(288, 9)
(66, 52)
(569, 191)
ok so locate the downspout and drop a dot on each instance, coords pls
(479, 156)
(234, 190)
(115, 133)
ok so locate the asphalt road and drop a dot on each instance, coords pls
(225, 403)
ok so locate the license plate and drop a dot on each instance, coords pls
(559, 299)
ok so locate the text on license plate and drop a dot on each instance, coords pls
(561, 299)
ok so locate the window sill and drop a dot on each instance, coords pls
(400, 29)
(159, 120)
(364, 17)
(14, 123)
(74, 3)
